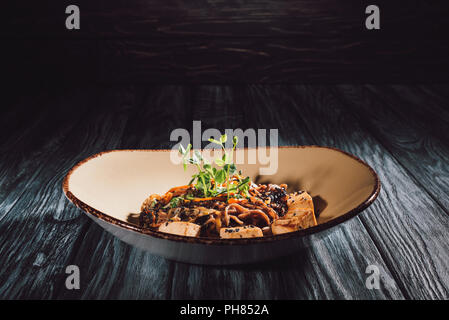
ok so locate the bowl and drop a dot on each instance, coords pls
(110, 187)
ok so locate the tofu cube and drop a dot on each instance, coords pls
(241, 232)
(181, 228)
(281, 226)
(298, 203)
(300, 215)
(301, 219)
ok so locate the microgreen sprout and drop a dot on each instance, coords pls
(210, 180)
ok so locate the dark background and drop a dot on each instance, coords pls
(138, 69)
(218, 41)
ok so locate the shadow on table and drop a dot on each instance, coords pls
(292, 261)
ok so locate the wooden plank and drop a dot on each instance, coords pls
(212, 18)
(41, 228)
(25, 151)
(14, 107)
(51, 61)
(331, 268)
(18, 114)
(251, 60)
(407, 225)
(260, 18)
(47, 20)
(412, 137)
(210, 41)
(47, 230)
(427, 113)
(29, 109)
(440, 90)
(25, 250)
(116, 270)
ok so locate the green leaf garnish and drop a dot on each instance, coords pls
(223, 138)
(219, 162)
(214, 141)
(210, 180)
(220, 177)
(174, 202)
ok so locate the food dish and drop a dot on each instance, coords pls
(226, 204)
(267, 210)
(110, 187)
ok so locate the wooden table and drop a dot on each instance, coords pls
(401, 131)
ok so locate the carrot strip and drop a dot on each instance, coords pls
(207, 199)
(235, 200)
(167, 197)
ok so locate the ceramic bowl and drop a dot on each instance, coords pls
(111, 186)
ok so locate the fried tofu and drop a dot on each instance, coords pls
(300, 215)
(180, 228)
(298, 203)
(305, 220)
(241, 232)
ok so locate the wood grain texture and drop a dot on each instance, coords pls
(330, 268)
(215, 41)
(391, 121)
(39, 227)
(116, 270)
(403, 232)
(38, 132)
(217, 18)
(438, 91)
(17, 112)
(412, 102)
(35, 229)
(37, 61)
(271, 61)
(406, 224)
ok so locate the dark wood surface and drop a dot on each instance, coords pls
(399, 130)
(215, 41)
